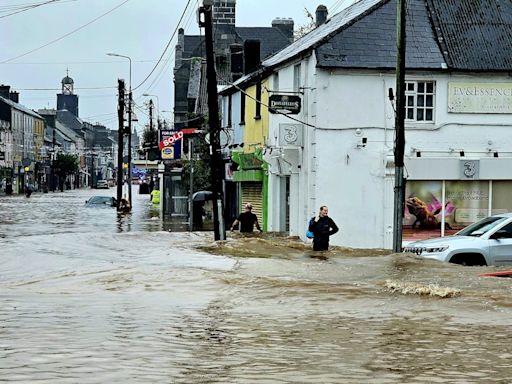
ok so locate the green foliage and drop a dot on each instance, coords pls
(201, 164)
(150, 144)
(66, 164)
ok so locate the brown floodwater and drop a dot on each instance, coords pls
(88, 296)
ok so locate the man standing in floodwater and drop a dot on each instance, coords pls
(247, 220)
(322, 227)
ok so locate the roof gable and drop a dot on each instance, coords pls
(323, 32)
(453, 34)
(20, 107)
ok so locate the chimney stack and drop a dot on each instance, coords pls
(14, 96)
(224, 12)
(285, 26)
(321, 15)
(5, 91)
(251, 55)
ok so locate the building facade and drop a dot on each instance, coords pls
(338, 150)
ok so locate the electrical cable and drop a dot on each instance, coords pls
(265, 105)
(166, 47)
(24, 8)
(66, 35)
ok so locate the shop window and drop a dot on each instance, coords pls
(419, 101)
(422, 217)
(501, 201)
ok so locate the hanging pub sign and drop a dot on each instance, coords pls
(287, 104)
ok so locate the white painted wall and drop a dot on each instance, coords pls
(355, 181)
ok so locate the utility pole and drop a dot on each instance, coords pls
(213, 112)
(399, 128)
(191, 183)
(130, 145)
(120, 144)
(54, 141)
(150, 114)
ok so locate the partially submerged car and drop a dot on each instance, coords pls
(96, 201)
(486, 242)
(102, 184)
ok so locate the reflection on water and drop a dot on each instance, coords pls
(90, 296)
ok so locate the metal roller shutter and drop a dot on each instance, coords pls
(253, 193)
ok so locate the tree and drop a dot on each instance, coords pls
(150, 143)
(201, 164)
(65, 164)
(304, 29)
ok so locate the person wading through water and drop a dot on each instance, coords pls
(247, 220)
(322, 227)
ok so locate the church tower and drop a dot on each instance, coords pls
(67, 99)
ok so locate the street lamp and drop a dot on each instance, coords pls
(129, 128)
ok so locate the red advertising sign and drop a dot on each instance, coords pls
(169, 141)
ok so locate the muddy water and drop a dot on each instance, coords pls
(87, 296)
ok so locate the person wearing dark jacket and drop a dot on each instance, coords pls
(322, 227)
(247, 220)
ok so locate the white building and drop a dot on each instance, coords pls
(338, 151)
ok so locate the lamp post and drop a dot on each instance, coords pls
(129, 128)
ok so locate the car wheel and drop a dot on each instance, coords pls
(468, 259)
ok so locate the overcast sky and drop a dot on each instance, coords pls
(38, 46)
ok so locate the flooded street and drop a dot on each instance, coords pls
(87, 296)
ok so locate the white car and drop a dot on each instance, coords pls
(486, 242)
(102, 184)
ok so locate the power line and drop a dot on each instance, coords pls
(67, 34)
(77, 62)
(170, 59)
(24, 8)
(265, 105)
(58, 89)
(166, 47)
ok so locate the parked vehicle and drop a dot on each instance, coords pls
(486, 242)
(96, 201)
(102, 184)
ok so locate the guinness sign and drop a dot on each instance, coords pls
(287, 104)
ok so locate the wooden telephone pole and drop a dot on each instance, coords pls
(120, 144)
(214, 121)
(399, 200)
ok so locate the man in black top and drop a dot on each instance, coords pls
(322, 227)
(247, 220)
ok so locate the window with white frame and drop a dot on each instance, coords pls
(419, 100)
(296, 77)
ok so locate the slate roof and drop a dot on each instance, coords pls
(317, 36)
(474, 34)
(193, 46)
(271, 39)
(20, 107)
(67, 132)
(370, 41)
(69, 120)
(441, 34)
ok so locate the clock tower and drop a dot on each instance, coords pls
(67, 99)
